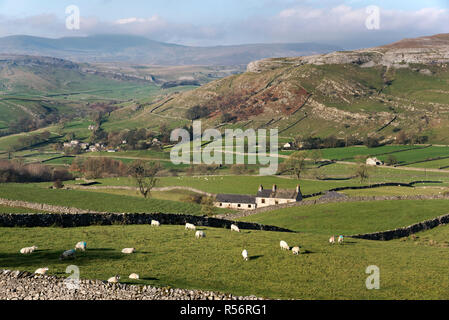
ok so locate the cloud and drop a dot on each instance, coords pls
(346, 26)
(336, 24)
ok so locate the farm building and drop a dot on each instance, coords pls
(374, 162)
(236, 201)
(264, 198)
(288, 146)
(275, 196)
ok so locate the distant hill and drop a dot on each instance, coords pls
(134, 49)
(47, 89)
(371, 92)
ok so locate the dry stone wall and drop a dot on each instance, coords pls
(405, 232)
(16, 285)
(88, 219)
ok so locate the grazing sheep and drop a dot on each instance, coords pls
(81, 246)
(190, 226)
(245, 255)
(128, 250)
(332, 240)
(284, 245)
(114, 279)
(41, 271)
(69, 254)
(340, 240)
(235, 228)
(134, 276)
(200, 234)
(28, 250)
(155, 223)
(296, 251)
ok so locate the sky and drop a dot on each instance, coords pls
(226, 22)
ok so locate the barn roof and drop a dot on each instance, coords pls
(236, 198)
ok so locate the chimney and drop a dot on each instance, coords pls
(274, 188)
(298, 189)
(260, 188)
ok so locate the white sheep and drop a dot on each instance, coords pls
(69, 254)
(155, 223)
(296, 251)
(114, 279)
(134, 276)
(245, 255)
(235, 228)
(128, 250)
(332, 240)
(28, 250)
(81, 246)
(284, 245)
(200, 234)
(41, 271)
(190, 226)
(340, 240)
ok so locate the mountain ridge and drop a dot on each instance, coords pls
(135, 49)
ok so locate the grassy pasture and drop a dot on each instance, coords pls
(353, 217)
(250, 184)
(419, 155)
(171, 256)
(349, 153)
(438, 237)
(397, 191)
(95, 201)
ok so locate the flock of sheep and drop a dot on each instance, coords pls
(70, 254)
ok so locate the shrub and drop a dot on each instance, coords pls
(94, 168)
(58, 184)
(13, 171)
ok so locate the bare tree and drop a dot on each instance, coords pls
(296, 164)
(316, 156)
(363, 172)
(144, 173)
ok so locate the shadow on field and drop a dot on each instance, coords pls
(351, 243)
(150, 279)
(100, 250)
(255, 257)
(308, 252)
(42, 258)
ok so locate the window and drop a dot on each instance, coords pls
(239, 205)
(249, 206)
(276, 202)
(263, 200)
(221, 204)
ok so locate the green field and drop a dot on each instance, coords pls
(171, 256)
(349, 153)
(95, 201)
(250, 184)
(353, 217)
(408, 157)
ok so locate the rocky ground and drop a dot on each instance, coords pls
(16, 285)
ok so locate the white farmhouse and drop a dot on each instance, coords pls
(264, 198)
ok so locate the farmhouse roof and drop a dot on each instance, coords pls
(278, 193)
(236, 198)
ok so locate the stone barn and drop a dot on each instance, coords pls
(235, 201)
